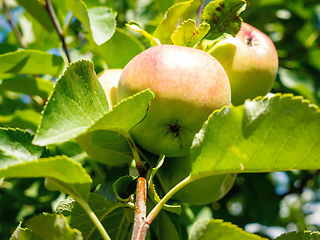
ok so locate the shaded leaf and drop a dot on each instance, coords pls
(25, 119)
(125, 188)
(24, 234)
(217, 229)
(169, 23)
(280, 133)
(16, 147)
(188, 35)
(33, 86)
(31, 62)
(39, 13)
(223, 17)
(53, 227)
(116, 219)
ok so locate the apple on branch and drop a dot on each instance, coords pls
(251, 62)
(189, 84)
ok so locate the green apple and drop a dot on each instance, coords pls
(251, 62)
(109, 81)
(200, 192)
(189, 84)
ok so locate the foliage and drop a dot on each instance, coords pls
(50, 55)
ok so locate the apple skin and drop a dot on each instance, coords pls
(109, 81)
(251, 62)
(189, 84)
(200, 192)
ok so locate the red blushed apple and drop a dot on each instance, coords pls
(189, 84)
(251, 62)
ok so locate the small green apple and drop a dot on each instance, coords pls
(200, 192)
(189, 84)
(251, 62)
(109, 81)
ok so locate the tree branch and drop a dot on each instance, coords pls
(55, 21)
(13, 24)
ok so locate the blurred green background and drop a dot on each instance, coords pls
(268, 204)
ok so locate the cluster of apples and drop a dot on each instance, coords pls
(189, 84)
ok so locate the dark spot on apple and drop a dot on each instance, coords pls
(250, 41)
(174, 128)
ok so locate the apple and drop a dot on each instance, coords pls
(189, 84)
(109, 81)
(251, 62)
(200, 192)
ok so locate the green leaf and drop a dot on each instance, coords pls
(78, 100)
(301, 235)
(61, 172)
(188, 35)
(25, 119)
(116, 219)
(24, 234)
(102, 24)
(136, 27)
(167, 226)
(33, 86)
(53, 227)
(31, 62)
(99, 21)
(169, 23)
(120, 49)
(16, 147)
(223, 16)
(39, 13)
(299, 81)
(79, 105)
(280, 133)
(217, 229)
(125, 188)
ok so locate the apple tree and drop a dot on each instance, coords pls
(157, 119)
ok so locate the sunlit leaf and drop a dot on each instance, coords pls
(280, 133)
(217, 229)
(301, 235)
(62, 174)
(99, 21)
(169, 23)
(223, 16)
(188, 35)
(136, 27)
(31, 62)
(79, 104)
